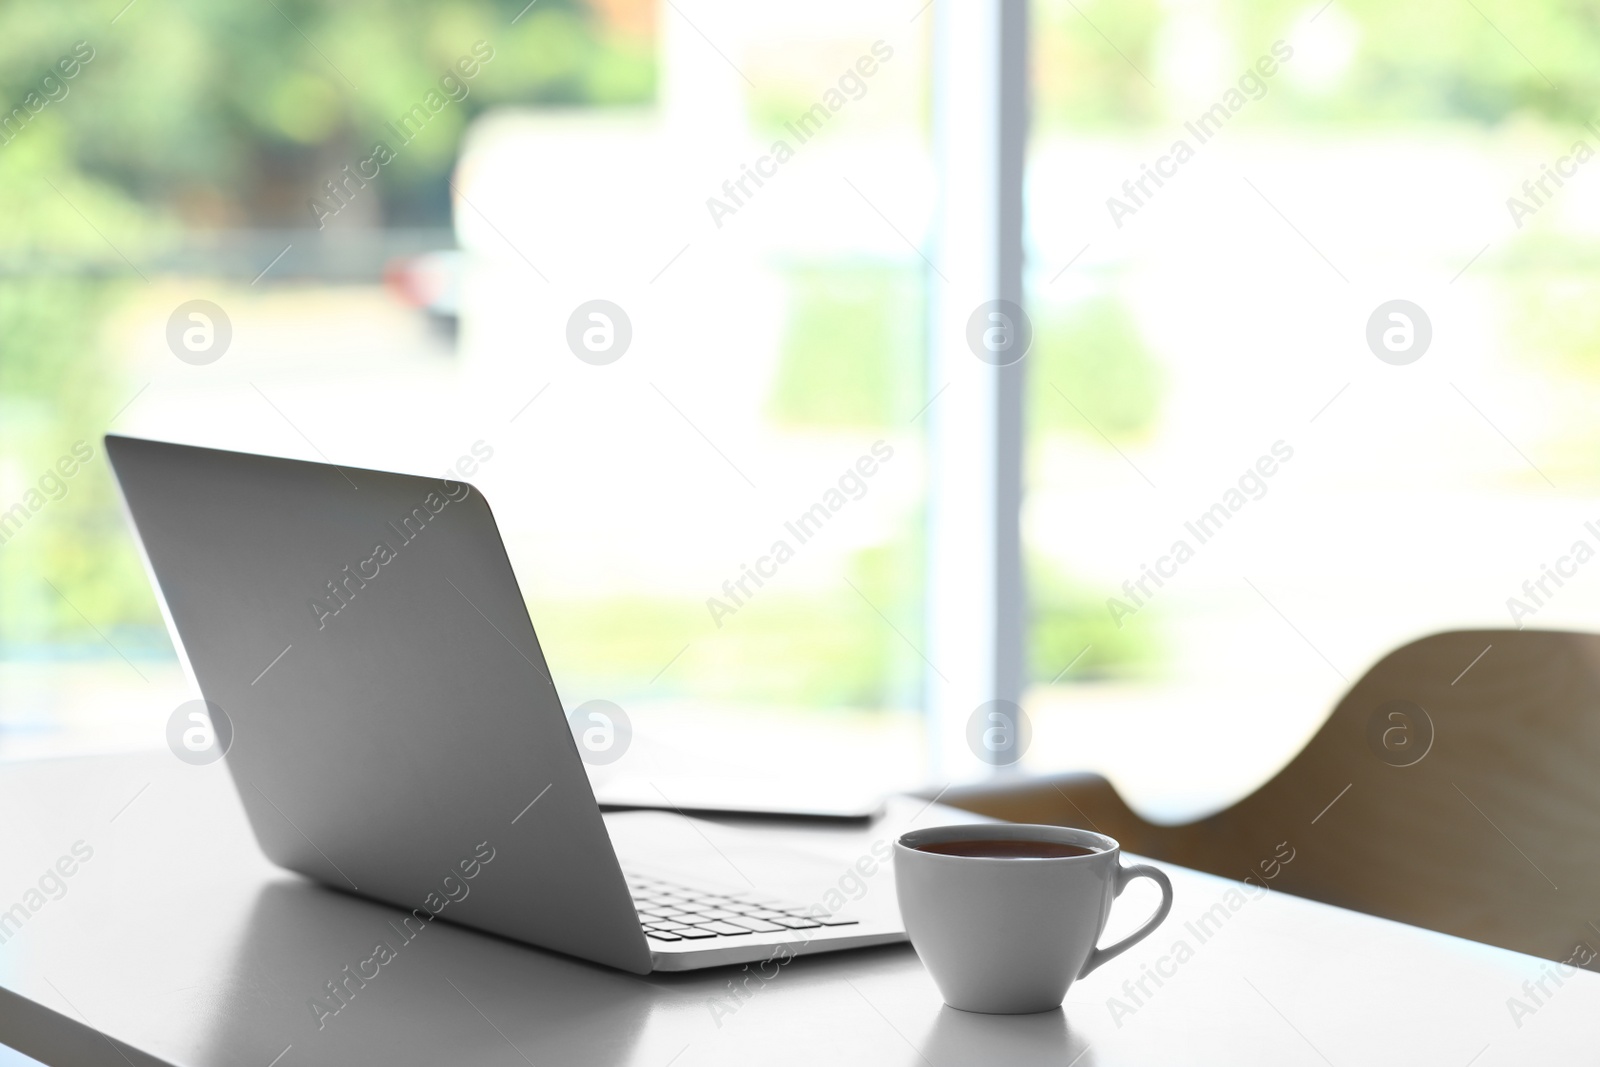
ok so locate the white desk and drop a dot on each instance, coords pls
(177, 943)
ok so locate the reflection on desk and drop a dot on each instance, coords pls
(179, 944)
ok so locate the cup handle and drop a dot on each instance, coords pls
(1124, 876)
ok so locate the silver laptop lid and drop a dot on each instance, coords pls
(406, 741)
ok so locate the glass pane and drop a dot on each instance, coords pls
(731, 558)
(395, 216)
(1313, 369)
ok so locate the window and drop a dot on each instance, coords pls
(396, 239)
(1313, 364)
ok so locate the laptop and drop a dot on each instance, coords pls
(393, 729)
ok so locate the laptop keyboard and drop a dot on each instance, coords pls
(673, 912)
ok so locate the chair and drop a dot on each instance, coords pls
(1455, 787)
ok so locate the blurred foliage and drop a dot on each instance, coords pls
(1067, 618)
(1547, 293)
(234, 114)
(71, 573)
(1555, 316)
(799, 72)
(780, 648)
(198, 113)
(1087, 62)
(195, 114)
(63, 276)
(1095, 60)
(852, 349)
(1090, 355)
(1110, 66)
(1420, 63)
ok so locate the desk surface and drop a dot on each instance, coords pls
(175, 942)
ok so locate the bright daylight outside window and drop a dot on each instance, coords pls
(1238, 491)
(1247, 478)
(387, 248)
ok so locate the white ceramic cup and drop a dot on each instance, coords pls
(1008, 936)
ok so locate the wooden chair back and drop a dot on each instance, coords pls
(1456, 786)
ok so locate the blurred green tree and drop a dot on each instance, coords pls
(1097, 62)
(229, 114)
(125, 126)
